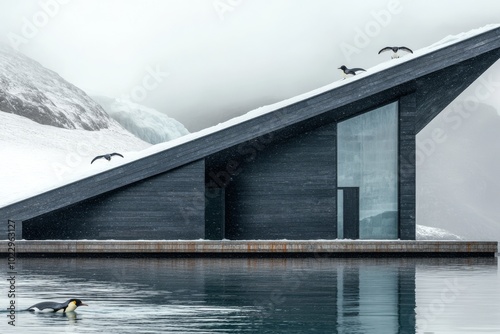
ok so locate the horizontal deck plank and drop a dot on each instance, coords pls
(252, 247)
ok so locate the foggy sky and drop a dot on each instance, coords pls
(205, 61)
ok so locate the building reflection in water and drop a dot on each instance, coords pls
(261, 295)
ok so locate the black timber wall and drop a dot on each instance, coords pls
(166, 206)
(286, 189)
(407, 167)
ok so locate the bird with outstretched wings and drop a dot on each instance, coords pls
(106, 156)
(395, 50)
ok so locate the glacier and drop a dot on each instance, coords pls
(146, 123)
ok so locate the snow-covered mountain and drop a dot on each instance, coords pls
(50, 130)
(146, 123)
(36, 158)
(28, 89)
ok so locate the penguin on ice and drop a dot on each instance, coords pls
(346, 72)
(106, 156)
(69, 306)
(395, 50)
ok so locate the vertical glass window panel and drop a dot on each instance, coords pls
(368, 159)
(340, 214)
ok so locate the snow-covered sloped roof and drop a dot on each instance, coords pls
(393, 63)
(447, 41)
(379, 84)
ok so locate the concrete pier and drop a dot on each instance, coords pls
(283, 248)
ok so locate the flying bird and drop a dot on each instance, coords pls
(349, 71)
(69, 306)
(106, 156)
(395, 50)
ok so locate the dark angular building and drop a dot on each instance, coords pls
(335, 163)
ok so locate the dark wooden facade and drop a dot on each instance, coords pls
(166, 206)
(407, 167)
(287, 191)
(270, 177)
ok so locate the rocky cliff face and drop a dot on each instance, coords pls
(28, 89)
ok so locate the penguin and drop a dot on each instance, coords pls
(395, 50)
(69, 306)
(106, 156)
(349, 71)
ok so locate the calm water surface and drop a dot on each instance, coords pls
(258, 295)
